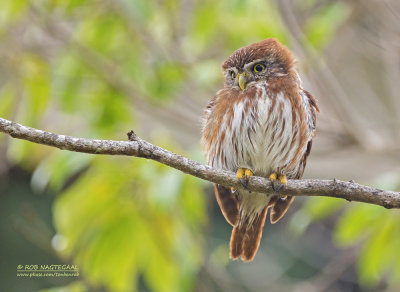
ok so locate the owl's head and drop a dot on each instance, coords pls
(257, 62)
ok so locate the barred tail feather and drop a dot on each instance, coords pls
(236, 243)
(246, 237)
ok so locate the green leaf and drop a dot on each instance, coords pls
(116, 229)
(8, 100)
(57, 168)
(358, 222)
(320, 208)
(36, 80)
(12, 10)
(321, 28)
(376, 255)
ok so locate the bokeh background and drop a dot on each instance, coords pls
(99, 68)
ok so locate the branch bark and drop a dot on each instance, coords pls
(350, 191)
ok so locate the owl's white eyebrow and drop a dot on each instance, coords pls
(234, 69)
(254, 62)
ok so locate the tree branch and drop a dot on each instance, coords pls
(350, 191)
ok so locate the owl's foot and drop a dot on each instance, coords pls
(243, 175)
(277, 182)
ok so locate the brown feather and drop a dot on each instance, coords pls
(236, 245)
(244, 125)
(268, 47)
(228, 204)
(246, 238)
(253, 236)
(280, 208)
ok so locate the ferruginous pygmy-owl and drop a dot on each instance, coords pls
(261, 123)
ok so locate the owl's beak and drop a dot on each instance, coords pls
(242, 80)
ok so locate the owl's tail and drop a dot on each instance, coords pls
(246, 237)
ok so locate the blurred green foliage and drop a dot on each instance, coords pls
(119, 224)
(85, 67)
(379, 234)
(321, 28)
(373, 229)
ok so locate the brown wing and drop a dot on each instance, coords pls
(313, 112)
(280, 205)
(228, 203)
(313, 103)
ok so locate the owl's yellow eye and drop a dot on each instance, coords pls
(233, 75)
(258, 68)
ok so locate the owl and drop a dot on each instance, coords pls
(260, 123)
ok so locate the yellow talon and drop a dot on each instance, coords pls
(243, 175)
(283, 179)
(248, 173)
(273, 176)
(240, 173)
